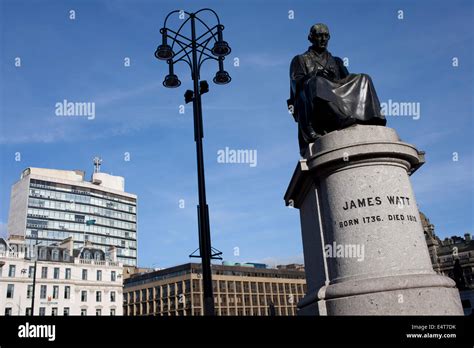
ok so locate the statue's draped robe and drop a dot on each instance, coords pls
(323, 104)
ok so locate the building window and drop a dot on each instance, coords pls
(113, 276)
(54, 311)
(197, 300)
(150, 294)
(267, 287)
(247, 300)
(84, 296)
(44, 272)
(112, 311)
(112, 296)
(158, 306)
(11, 271)
(98, 296)
(187, 285)
(300, 288)
(67, 292)
(31, 271)
(67, 274)
(99, 275)
(87, 255)
(29, 291)
(10, 290)
(8, 311)
(66, 255)
(214, 285)
(43, 254)
(83, 311)
(98, 311)
(254, 300)
(55, 255)
(43, 291)
(66, 311)
(55, 291)
(42, 311)
(84, 274)
(56, 273)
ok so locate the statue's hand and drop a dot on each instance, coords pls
(327, 74)
(310, 135)
(313, 135)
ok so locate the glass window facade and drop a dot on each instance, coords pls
(58, 211)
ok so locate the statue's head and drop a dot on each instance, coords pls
(319, 36)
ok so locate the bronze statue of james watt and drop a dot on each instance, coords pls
(324, 97)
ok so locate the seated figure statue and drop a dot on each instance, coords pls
(323, 95)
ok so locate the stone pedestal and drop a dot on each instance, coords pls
(364, 248)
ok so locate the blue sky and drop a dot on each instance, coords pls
(410, 60)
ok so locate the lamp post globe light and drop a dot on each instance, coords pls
(194, 51)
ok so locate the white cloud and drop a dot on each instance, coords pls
(265, 60)
(112, 96)
(274, 261)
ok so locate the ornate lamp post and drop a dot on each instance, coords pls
(194, 51)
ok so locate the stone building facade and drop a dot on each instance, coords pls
(68, 281)
(444, 253)
(238, 290)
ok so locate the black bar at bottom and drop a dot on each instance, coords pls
(429, 331)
